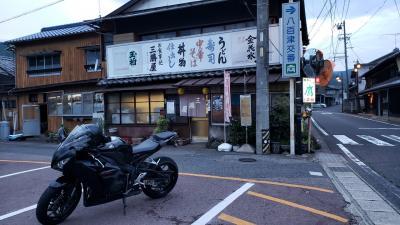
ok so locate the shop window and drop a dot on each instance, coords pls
(54, 104)
(217, 108)
(78, 104)
(44, 65)
(92, 60)
(130, 108)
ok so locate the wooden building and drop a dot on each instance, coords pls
(57, 71)
(382, 87)
(7, 83)
(169, 57)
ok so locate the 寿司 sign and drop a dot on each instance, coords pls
(216, 51)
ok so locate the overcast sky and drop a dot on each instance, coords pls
(369, 23)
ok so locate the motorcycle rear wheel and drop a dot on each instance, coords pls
(168, 165)
(56, 204)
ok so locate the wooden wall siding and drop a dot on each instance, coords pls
(72, 60)
(53, 123)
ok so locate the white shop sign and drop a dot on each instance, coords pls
(215, 51)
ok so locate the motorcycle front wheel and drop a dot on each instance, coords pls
(167, 173)
(56, 204)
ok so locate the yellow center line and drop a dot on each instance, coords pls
(233, 220)
(24, 161)
(259, 182)
(295, 205)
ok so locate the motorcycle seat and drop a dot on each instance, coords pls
(147, 145)
(162, 136)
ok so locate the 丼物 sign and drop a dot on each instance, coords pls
(309, 90)
(215, 51)
(291, 40)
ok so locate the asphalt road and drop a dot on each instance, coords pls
(263, 192)
(372, 147)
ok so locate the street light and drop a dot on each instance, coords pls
(357, 67)
(339, 79)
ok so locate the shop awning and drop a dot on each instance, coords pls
(205, 77)
(387, 84)
(250, 79)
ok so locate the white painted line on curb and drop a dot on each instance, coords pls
(319, 128)
(379, 128)
(350, 155)
(392, 137)
(214, 211)
(318, 174)
(345, 140)
(25, 171)
(8, 215)
(374, 140)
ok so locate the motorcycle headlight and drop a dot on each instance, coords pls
(61, 163)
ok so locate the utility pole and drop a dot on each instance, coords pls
(339, 27)
(262, 86)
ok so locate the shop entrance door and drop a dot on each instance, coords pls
(199, 126)
(31, 120)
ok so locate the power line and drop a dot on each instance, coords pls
(30, 11)
(347, 10)
(320, 12)
(372, 16)
(323, 21)
(395, 2)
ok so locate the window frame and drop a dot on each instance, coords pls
(91, 67)
(81, 102)
(148, 113)
(51, 69)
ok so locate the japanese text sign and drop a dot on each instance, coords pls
(308, 90)
(215, 51)
(291, 39)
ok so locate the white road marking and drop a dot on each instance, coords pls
(327, 113)
(392, 137)
(350, 155)
(378, 121)
(8, 215)
(345, 140)
(25, 171)
(379, 128)
(318, 174)
(214, 211)
(319, 128)
(374, 141)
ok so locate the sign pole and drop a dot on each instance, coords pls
(292, 109)
(291, 57)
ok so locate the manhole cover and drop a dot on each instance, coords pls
(247, 160)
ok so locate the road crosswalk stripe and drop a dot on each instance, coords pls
(345, 140)
(392, 137)
(374, 140)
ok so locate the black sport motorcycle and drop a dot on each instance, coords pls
(105, 169)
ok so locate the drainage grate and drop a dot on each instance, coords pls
(247, 160)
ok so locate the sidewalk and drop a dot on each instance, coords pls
(366, 204)
(392, 120)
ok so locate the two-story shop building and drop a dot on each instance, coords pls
(169, 57)
(57, 71)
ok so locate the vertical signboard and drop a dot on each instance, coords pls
(308, 90)
(245, 110)
(227, 96)
(291, 39)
